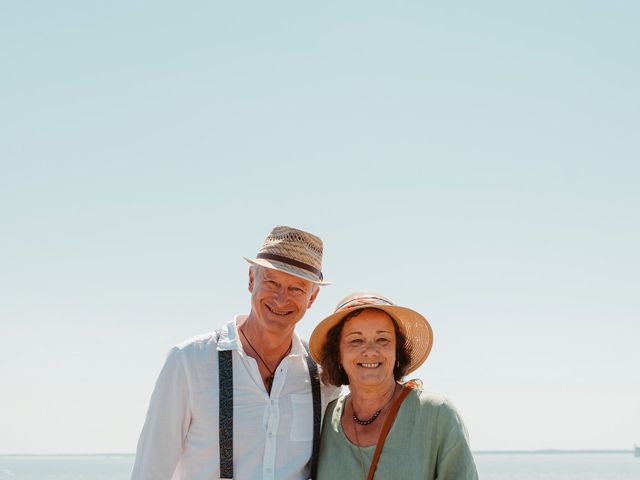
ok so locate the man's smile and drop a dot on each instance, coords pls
(278, 312)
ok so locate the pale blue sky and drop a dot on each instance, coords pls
(477, 162)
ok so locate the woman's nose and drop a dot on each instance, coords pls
(369, 347)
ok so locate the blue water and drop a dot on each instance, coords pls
(490, 466)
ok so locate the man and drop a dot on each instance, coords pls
(244, 401)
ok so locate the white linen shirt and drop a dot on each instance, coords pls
(272, 435)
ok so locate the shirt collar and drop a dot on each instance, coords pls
(231, 339)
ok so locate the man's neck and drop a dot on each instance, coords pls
(270, 345)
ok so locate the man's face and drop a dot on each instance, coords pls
(279, 300)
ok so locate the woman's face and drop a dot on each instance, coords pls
(368, 348)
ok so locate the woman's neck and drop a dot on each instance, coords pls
(366, 401)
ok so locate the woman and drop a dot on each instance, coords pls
(370, 344)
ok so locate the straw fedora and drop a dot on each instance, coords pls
(292, 251)
(415, 327)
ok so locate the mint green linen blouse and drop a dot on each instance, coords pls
(428, 440)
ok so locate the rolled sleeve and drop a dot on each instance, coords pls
(167, 423)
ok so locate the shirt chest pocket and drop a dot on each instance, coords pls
(302, 418)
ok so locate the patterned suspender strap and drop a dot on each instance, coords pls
(317, 407)
(225, 393)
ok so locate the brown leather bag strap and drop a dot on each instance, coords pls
(385, 430)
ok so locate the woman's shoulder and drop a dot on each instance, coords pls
(430, 415)
(335, 406)
(433, 403)
(333, 413)
(333, 403)
(432, 399)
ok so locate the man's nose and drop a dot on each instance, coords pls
(282, 296)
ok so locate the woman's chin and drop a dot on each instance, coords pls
(370, 380)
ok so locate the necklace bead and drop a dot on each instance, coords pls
(368, 420)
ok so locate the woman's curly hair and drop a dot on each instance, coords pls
(333, 373)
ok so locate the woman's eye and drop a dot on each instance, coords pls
(383, 341)
(356, 341)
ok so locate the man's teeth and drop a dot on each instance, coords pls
(279, 312)
(370, 365)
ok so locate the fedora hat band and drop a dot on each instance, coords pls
(290, 261)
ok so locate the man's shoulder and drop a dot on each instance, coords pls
(199, 339)
(200, 343)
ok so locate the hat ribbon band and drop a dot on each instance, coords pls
(363, 301)
(292, 262)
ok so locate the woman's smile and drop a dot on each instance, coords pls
(368, 348)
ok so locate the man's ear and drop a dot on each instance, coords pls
(251, 278)
(316, 290)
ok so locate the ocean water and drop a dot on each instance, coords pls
(582, 466)
(66, 467)
(558, 466)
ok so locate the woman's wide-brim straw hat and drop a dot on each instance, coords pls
(292, 251)
(413, 325)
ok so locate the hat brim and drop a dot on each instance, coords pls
(414, 326)
(286, 268)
